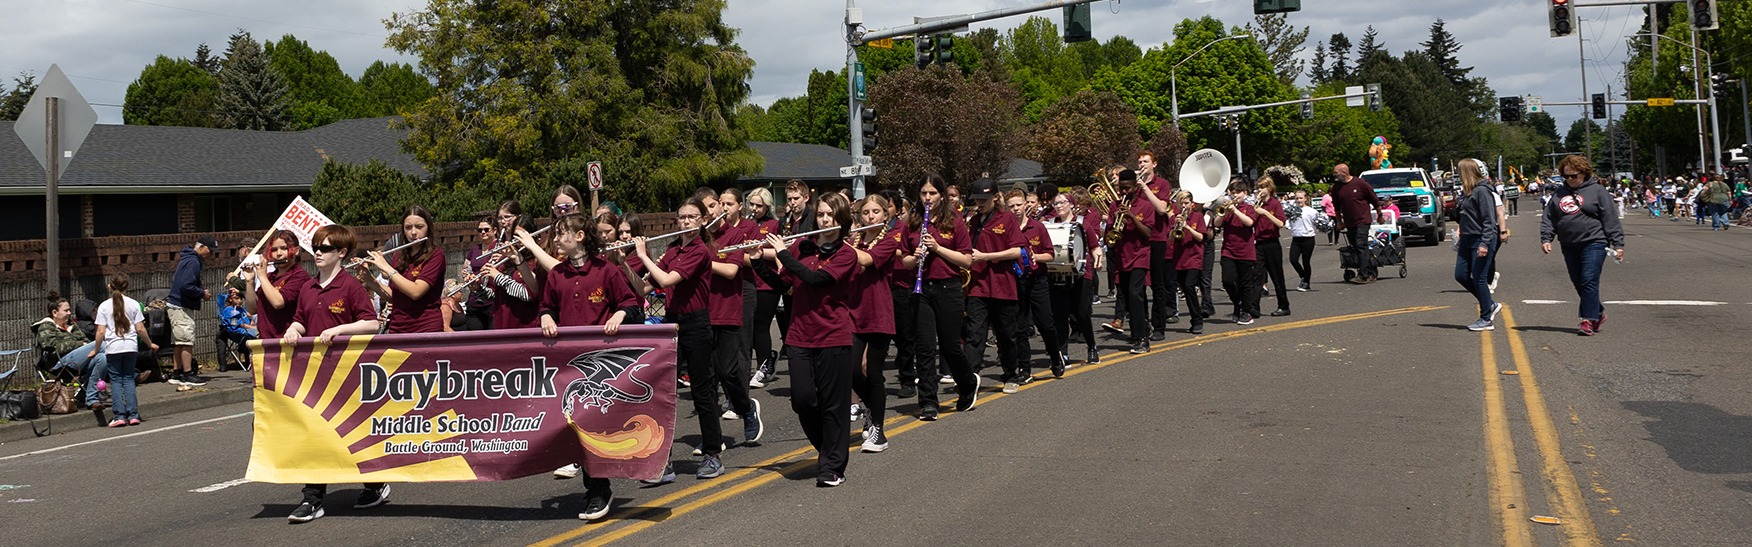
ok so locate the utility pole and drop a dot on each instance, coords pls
(52, 237)
(1587, 123)
(1697, 84)
(854, 19)
(1611, 131)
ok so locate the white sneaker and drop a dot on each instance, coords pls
(758, 380)
(570, 471)
(946, 380)
(730, 415)
(1494, 278)
(857, 412)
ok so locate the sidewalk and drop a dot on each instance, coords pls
(158, 401)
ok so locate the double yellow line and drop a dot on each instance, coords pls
(1507, 494)
(703, 494)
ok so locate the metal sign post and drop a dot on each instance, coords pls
(52, 125)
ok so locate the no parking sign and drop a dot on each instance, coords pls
(596, 175)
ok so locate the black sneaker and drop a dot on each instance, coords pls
(192, 379)
(596, 505)
(1280, 312)
(874, 439)
(1159, 335)
(1197, 328)
(306, 512)
(907, 391)
(1244, 319)
(1058, 366)
(1140, 346)
(372, 497)
(174, 378)
(928, 414)
(968, 402)
(752, 427)
(1094, 356)
(829, 479)
(1172, 319)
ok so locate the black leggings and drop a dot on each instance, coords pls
(731, 367)
(1302, 257)
(1071, 311)
(1190, 281)
(867, 380)
(1271, 264)
(1036, 308)
(940, 314)
(694, 346)
(1133, 293)
(1162, 287)
(766, 305)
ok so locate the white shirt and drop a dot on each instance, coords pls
(1303, 226)
(114, 341)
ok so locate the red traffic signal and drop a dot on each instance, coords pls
(1563, 18)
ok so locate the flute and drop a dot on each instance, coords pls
(708, 226)
(924, 227)
(494, 263)
(761, 242)
(357, 261)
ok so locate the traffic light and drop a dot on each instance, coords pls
(1077, 24)
(1563, 17)
(1704, 15)
(1598, 104)
(867, 119)
(946, 48)
(1262, 7)
(1307, 105)
(924, 51)
(1509, 108)
(1374, 91)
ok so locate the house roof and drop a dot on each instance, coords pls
(808, 162)
(153, 159)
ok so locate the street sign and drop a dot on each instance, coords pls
(1535, 104)
(75, 120)
(860, 160)
(849, 171)
(855, 170)
(1661, 102)
(595, 175)
(885, 43)
(1358, 100)
(858, 77)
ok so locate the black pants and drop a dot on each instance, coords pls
(1513, 205)
(1116, 282)
(313, 493)
(694, 346)
(994, 317)
(1359, 239)
(1236, 281)
(1162, 287)
(766, 305)
(1210, 267)
(1271, 264)
(730, 364)
(940, 313)
(1133, 294)
(1035, 307)
(821, 395)
(748, 304)
(1189, 282)
(905, 332)
(1072, 312)
(868, 381)
(1302, 257)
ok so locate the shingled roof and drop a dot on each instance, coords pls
(118, 159)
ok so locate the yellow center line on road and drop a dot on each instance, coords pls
(727, 485)
(1560, 483)
(1506, 492)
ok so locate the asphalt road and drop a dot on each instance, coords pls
(1370, 417)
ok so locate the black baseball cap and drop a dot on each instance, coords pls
(207, 239)
(983, 189)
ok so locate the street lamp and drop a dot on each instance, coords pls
(1715, 122)
(1173, 83)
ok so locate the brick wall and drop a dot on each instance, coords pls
(185, 213)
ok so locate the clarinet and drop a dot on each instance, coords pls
(924, 228)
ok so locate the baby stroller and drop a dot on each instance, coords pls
(1386, 248)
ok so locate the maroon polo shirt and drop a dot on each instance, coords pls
(586, 295)
(1134, 248)
(907, 243)
(872, 303)
(693, 261)
(1238, 237)
(343, 301)
(996, 279)
(1092, 223)
(1039, 243)
(422, 315)
(1164, 190)
(1189, 251)
(819, 315)
(511, 313)
(951, 233)
(1264, 229)
(290, 281)
(760, 231)
(725, 294)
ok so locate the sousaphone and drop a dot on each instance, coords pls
(1206, 175)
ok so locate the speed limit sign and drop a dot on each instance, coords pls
(596, 175)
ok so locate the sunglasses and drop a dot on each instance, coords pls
(325, 248)
(485, 230)
(563, 207)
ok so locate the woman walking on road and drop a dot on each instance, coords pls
(1580, 217)
(1477, 212)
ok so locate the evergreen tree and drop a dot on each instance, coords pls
(1281, 42)
(1338, 48)
(171, 92)
(1369, 46)
(251, 94)
(204, 59)
(12, 102)
(1444, 50)
(1317, 72)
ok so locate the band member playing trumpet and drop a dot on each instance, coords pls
(1267, 244)
(1188, 245)
(941, 302)
(1162, 289)
(275, 298)
(1237, 219)
(1034, 302)
(1134, 255)
(415, 280)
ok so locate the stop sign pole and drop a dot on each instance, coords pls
(51, 166)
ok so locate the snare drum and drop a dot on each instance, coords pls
(1068, 254)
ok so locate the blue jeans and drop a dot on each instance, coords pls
(1584, 261)
(1473, 271)
(121, 381)
(1718, 216)
(89, 371)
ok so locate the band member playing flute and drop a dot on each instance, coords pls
(275, 298)
(872, 308)
(683, 272)
(416, 279)
(822, 363)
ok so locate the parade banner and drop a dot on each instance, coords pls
(302, 219)
(464, 406)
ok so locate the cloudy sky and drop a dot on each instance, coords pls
(103, 44)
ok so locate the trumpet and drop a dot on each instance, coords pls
(1179, 227)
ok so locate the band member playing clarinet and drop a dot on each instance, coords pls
(821, 347)
(873, 315)
(585, 290)
(683, 272)
(941, 302)
(416, 279)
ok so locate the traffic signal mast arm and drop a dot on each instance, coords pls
(1236, 109)
(954, 22)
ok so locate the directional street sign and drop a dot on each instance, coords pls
(858, 76)
(1661, 102)
(75, 120)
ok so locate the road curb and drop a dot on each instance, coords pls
(160, 407)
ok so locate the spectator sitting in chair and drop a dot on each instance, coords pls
(236, 323)
(65, 348)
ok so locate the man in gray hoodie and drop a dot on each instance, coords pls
(1583, 219)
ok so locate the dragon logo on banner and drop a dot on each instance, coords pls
(610, 376)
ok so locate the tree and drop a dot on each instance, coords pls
(941, 121)
(1084, 132)
(12, 102)
(318, 91)
(1281, 42)
(1339, 134)
(205, 60)
(1369, 46)
(1444, 50)
(363, 195)
(1546, 127)
(251, 94)
(818, 117)
(523, 88)
(1582, 134)
(1317, 72)
(172, 92)
(388, 89)
(1338, 49)
(1434, 117)
(1037, 60)
(1168, 146)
